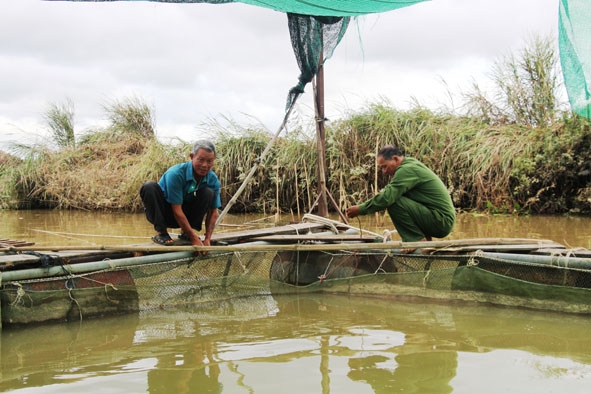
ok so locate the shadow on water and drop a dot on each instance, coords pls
(305, 343)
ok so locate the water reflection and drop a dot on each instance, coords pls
(306, 343)
(195, 370)
(295, 344)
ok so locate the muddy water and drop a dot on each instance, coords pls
(299, 343)
(98, 228)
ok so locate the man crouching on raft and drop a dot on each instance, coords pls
(183, 196)
(416, 199)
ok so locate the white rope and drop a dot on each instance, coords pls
(334, 223)
(473, 262)
(387, 235)
(321, 220)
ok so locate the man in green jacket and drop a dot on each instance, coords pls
(416, 199)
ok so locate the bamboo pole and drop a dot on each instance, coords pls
(318, 87)
(81, 268)
(297, 194)
(260, 247)
(258, 163)
(555, 261)
(186, 253)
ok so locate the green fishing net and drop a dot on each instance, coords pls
(574, 40)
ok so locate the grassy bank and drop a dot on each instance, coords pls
(519, 153)
(497, 168)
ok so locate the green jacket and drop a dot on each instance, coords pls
(414, 180)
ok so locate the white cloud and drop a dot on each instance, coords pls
(193, 62)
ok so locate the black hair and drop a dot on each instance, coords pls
(389, 151)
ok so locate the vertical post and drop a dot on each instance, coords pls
(320, 139)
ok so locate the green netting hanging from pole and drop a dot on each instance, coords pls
(311, 37)
(316, 7)
(574, 39)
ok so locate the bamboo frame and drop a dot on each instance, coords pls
(260, 247)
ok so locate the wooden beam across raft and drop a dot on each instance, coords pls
(259, 247)
(77, 254)
(188, 255)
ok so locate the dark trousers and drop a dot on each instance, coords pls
(414, 221)
(159, 212)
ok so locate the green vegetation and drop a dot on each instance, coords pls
(60, 119)
(517, 153)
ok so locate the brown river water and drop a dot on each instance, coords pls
(312, 343)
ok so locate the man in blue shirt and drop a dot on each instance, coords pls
(186, 193)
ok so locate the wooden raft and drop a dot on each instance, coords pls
(6, 243)
(29, 258)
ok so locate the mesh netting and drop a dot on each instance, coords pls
(219, 277)
(313, 39)
(468, 278)
(316, 7)
(214, 278)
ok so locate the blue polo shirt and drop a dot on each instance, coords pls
(178, 184)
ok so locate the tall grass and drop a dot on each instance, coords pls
(131, 116)
(520, 154)
(508, 168)
(527, 88)
(60, 119)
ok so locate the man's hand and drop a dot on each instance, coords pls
(196, 241)
(353, 211)
(183, 222)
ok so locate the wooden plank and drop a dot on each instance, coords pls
(11, 261)
(241, 236)
(497, 247)
(316, 237)
(15, 261)
(6, 243)
(563, 252)
(236, 243)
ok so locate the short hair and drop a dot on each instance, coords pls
(389, 151)
(203, 144)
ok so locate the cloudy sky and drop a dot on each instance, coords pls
(192, 63)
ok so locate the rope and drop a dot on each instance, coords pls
(472, 261)
(322, 220)
(387, 235)
(326, 274)
(382, 263)
(75, 301)
(334, 223)
(20, 293)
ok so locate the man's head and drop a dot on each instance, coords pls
(389, 159)
(204, 144)
(203, 157)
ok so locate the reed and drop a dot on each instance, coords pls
(60, 119)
